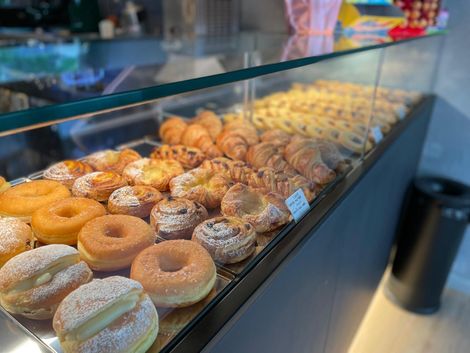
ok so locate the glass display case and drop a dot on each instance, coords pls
(227, 139)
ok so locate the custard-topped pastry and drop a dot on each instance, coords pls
(153, 172)
(202, 185)
(114, 161)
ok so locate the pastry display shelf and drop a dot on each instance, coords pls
(65, 69)
(241, 284)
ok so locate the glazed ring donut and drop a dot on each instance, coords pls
(152, 172)
(176, 218)
(34, 282)
(15, 238)
(22, 200)
(175, 273)
(227, 239)
(98, 185)
(201, 185)
(112, 161)
(60, 222)
(4, 184)
(263, 212)
(111, 315)
(135, 200)
(111, 242)
(66, 172)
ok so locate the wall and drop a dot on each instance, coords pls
(447, 147)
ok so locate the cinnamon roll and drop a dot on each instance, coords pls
(227, 239)
(98, 185)
(152, 172)
(263, 212)
(112, 161)
(202, 185)
(135, 200)
(66, 172)
(189, 157)
(176, 218)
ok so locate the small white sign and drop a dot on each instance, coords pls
(297, 204)
(377, 134)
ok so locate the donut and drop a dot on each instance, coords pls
(66, 172)
(135, 200)
(98, 185)
(111, 242)
(34, 282)
(264, 212)
(15, 238)
(176, 218)
(152, 172)
(60, 222)
(175, 273)
(227, 239)
(112, 161)
(22, 200)
(202, 185)
(4, 184)
(111, 315)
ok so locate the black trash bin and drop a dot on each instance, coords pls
(429, 236)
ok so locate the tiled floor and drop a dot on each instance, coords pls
(389, 329)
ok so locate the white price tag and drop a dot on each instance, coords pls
(377, 134)
(297, 204)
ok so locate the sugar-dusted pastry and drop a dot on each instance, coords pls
(137, 200)
(98, 185)
(277, 137)
(267, 154)
(111, 315)
(111, 242)
(112, 161)
(4, 184)
(210, 121)
(60, 221)
(20, 201)
(227, 239)
(198, 136)
(175, 273)
(263, 212)
(176, 218)
(201, 185)
(237, 171)
(306, 158)
(15, 238)
(34, 282)
(172, 130)
(66, 172)
(152, 172)
(189, 157)
(236, 138)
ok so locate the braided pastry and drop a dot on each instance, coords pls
(197, 136)
(210, 121)
(307, 160)
(189, 157)
(172, 130)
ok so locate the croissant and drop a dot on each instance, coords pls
(277, 137)
(197, 136)
(267, 154)
(189, 157)
(172, 130)
(236, 138)
(237, 171)
(306, 159)
(210, 121)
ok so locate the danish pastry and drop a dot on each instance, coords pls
(263, 212)
(189, 157)
(112, 161)
(176, 218)
(201, 185)
(98, 185)
(135, 200)
(153, 172)
(66, 172)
